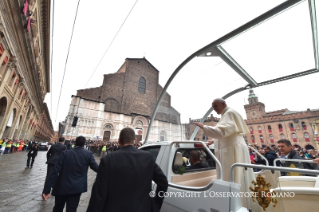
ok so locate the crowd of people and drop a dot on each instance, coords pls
(11, 145)
(102, 148)
(284, 150)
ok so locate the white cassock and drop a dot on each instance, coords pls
(230, 148)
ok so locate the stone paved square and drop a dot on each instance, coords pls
(21, 189)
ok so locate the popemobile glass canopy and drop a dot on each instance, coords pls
(266, 50)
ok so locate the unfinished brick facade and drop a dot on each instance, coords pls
(125, 99)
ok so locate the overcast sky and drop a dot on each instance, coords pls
(167, 32)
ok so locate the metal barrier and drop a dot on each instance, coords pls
(293, 160)
(283, 169)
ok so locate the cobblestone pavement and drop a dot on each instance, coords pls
(21, 189)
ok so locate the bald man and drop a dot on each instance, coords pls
(230, 146)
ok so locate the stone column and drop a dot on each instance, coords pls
(26, 134)
(23, 119)
(6, 117)
(6, 76)
(16, 120)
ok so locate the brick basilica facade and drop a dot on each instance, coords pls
(126, 98)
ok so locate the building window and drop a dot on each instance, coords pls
(251, 130)
(291, 126)
(163, 135)
(304, 126)
(294, 137)
(271, 138)
(306, 136)
(280, 127)
(269, 128)
(261, 138)
(142, 85)
(253, 139)
(282, 136)
(108, 126)
(259, 129)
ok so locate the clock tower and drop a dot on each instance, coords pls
(255, 109)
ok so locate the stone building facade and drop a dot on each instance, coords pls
(190, 127)
(24, 69)
(126, 98)
(300, 127)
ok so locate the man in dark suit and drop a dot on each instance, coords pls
(124, 180)
(194, 159)
(72, 168)
(285, 149)
(52, 157)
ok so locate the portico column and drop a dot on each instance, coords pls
(23, 120)
(26, 134)
(16, 120)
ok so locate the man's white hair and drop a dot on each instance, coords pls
(219, 100)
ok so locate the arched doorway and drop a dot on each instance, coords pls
(3, 108)
(309, 146)
(9, 123)
(107, 133)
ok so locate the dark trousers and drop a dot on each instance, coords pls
(72, 202)
(28, 161)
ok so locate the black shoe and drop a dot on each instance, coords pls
(31, 167)
(27, 167)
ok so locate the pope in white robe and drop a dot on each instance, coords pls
(230, 147)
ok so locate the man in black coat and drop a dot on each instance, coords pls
(285, 149)
(72, 168)
(270, 156)
(52, 157)
(124, 180)
(33, 152)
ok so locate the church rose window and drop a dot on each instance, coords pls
(304, 126)
(269, 128)
(280, 127)
(306, 136)
(108, 126)
(142, 85)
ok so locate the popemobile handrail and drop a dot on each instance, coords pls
(283, 169)
(293, 160)
(263, 157)
(209, 152)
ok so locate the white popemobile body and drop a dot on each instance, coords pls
(203, 190)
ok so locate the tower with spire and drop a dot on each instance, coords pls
(254, 109)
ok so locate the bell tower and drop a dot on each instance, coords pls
(254, 109)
